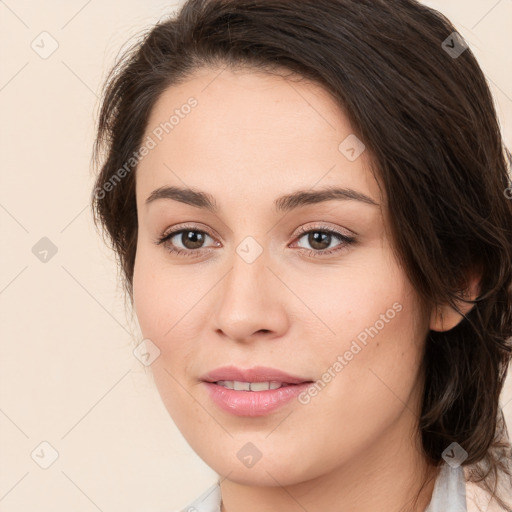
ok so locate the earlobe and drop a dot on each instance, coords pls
(443, 317)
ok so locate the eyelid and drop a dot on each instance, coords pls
(192, 227)
(303, 229)
(325, 227)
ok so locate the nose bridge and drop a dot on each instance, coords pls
(250, 250)
(248, 277)
(247, 301)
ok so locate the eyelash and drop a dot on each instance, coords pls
(344, 239)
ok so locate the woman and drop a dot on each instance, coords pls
(308, 208)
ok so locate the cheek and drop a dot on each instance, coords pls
(156, 299)
(168, 302)
(162, 315)
(370, 356)
(355, 299)
(144, 293)
(158, 294)
(365, 388)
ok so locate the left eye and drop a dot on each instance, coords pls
(320, 240)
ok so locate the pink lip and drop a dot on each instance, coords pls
(255, 374)
(252, 403)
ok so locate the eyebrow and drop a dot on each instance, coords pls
(284, 203)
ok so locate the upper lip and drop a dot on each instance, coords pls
(255, 374)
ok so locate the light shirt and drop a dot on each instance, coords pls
(449, 494)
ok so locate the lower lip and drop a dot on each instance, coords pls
(253, 403)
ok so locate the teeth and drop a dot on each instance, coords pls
(250, 386)
(241, 386)
(263, 386)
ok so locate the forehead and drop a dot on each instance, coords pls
(251, 132)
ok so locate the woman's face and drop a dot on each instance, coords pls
(308, 286)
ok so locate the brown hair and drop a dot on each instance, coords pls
(426, 116)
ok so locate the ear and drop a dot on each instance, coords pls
(443, 317)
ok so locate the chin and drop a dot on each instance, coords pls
(261, 475)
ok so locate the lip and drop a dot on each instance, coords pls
(255, 374)
(252, 403)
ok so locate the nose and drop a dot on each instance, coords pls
(251, 301)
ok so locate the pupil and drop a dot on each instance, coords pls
(318, 237)
(192, 239)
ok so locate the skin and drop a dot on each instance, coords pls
(252, 138)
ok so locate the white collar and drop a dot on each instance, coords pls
(449, 491)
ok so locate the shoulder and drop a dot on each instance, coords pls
(479, 500)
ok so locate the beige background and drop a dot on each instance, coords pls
(67, 372)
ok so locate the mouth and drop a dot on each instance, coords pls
(238, 385)
(252, 392)
(262, 377)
